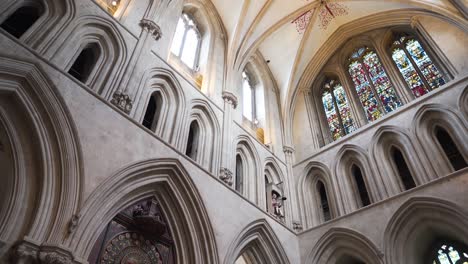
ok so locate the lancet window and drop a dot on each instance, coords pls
(337, 111)
(417, 68)
(450, 254)
(187, 42)
(372, 84)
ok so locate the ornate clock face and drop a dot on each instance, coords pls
(130, 248)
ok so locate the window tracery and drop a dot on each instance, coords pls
(337, 110)
(417, 68)
(248, 96)
(187, 41)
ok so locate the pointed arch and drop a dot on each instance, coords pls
(309, 197)
(260, 239)
(208, 144)
(251, 168)
(170, 183)
(339, 243)
(420, 222)
(173, 105)
(94, 30)
(427, 120)
(56, 16)
(42, 138)
(389, 140)
(347, 157)
(274, 182)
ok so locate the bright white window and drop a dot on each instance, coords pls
(186, 42)
(247, 97)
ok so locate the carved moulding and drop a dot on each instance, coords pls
(152, 28)
(122, 101)
(28, 252)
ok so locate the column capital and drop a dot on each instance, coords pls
(288, 149)
(297, 226)
(151, 27)
(231, 98)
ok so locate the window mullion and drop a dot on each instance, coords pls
(338, 114)
(183, 41)
(416, 67)
(371, 83)
(355, 103)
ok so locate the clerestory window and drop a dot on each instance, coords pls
(187, 42)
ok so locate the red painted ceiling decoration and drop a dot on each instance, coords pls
(327, 12)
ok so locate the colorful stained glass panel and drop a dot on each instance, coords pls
(381, 82)
(425, 64)
(331, 114)
(409, 73)
(364, 90)
(343, 108)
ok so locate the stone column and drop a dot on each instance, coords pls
(292, 204)
(225, 173)
(313, 119)
(123, 98)
(359, 115)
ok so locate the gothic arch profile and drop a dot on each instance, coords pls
(427, 119)
(167, 181)
(347, 157)
(384, 141)
(309, 197)
(97, 31)
(251, 168)
(56, 16)
(463, 103)
(418, 223)
(173, 102)
(208, 144)
(261, 243)
(41, 138)
(342, 245)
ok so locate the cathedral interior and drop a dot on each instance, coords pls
(234, 132)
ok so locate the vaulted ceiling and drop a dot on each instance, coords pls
(289, 32)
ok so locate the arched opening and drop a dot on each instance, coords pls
(192, 142)
(239, 174)
(349, 260)
(403, 169)
(450, 149)
(138, 234)
(186, 43)
(22, 19)
(85, 62)
(153, 111)
(361, 185)
(324, 205)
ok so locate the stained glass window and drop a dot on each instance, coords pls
(416, 66)
(448, 254)
(337, 111)
(186, 41)
(375, 91)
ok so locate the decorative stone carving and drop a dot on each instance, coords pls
(152, 28)
(226, 176)
(297, 226)
(25, 253)
(122, 101)
(148, 221)
(73, 224)
(131, 247)
(288, 150)
(54, 258)
(230, 98)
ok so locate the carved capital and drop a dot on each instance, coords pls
(226, 176)
(297, 226)
(73, 224)
(229, 97)
(122, 101)
(55, 255)
(288, 150)
(25, 252)
(152, 28)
